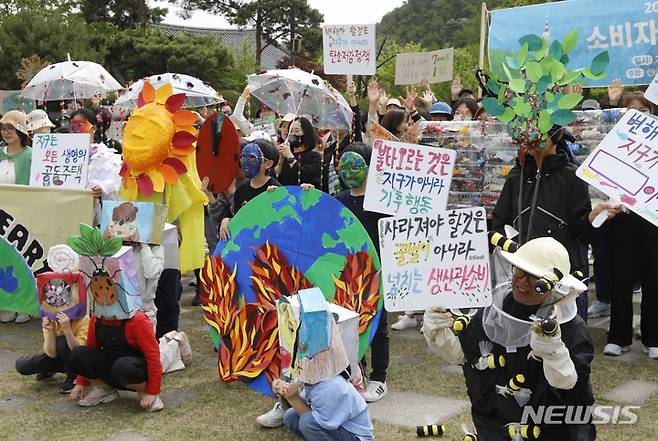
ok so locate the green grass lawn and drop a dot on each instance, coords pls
(227, 411)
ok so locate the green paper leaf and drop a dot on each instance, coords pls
(546, 64)
(533, 41)
(569, 78)
(534, 71)
(555, 50)
(493, 86)
(541, 53)
(569, 101)
(549, 97)
(86, 230)
(522, 108)
(564, 59)
(518, 85)
(523, 54)
(111, 246)
(569, 42)
(562, 117)
(600, 63)
(512, 63)
(507, 116)
(557, 71)
(493, 107)
(501, 94)
(544, 84)
(507, 72)
(587, 73)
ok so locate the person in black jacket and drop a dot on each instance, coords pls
(512, 365)
(549, 200)
(299, 163)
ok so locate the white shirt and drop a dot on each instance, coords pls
(7, 170)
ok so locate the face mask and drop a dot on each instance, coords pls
(294, 141)
(251, 159)
(352, 170)
(80, 126)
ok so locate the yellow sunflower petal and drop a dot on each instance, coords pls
(183, 151)
(163, 93)
(158, 181)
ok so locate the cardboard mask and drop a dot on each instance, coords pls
(251, 159)
(62, 292)
(133, 221)
(113, 283)
(218, 152)
(352, 169)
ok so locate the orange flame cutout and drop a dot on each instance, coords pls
(274, 277)
(219, 298)
(357, 288)
(251, 344)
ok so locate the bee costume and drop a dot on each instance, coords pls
(508, 363)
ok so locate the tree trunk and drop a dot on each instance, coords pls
(259, 32)
(143, 13)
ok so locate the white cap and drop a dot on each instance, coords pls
(38, 119)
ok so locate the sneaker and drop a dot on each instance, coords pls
(598, 309)
(97, 396)
(157, 405)
(169, 336)
(185, 348)
(405, 322)
(615, 350)
(44, 375)
(7, 316)
(67, 387)
(637, 289)
(196, 301)
(23, 318)
(652, 352)
(273, 418)
(375, 391)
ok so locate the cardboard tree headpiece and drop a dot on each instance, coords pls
(63, 289)
(109, 271)
(531, 96)
(159, 145)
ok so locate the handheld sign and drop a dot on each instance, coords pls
(624, 166)
(60, 160)
(435, 67)
(408, 179)
(349, 49)
(440, 260)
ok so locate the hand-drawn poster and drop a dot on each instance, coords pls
(435, 67)
(440, 260)
(623, 166)
(349, 49)
(408, 179)
(141, 222)
(60, 160)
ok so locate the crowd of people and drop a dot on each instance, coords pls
(544, 201)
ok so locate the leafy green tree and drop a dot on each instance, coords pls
(122, 13)
(270, 18)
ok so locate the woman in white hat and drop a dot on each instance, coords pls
(38, 122)
(528, 349)
(15, 163)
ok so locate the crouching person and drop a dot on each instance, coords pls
(527, 350)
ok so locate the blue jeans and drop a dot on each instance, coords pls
(308, 429)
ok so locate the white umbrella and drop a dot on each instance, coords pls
(197, 92)
(70, 80)
(301, 93)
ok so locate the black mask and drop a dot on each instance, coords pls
(294, 141)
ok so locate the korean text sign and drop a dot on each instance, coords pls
(349, 49)
(435, 67)
(627, 29)
(408, 179)
(625, 165)
(440, 260)
(60, 160)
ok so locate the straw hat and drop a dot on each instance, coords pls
(16, 119)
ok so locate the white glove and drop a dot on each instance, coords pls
(559, 369)
(437, 324)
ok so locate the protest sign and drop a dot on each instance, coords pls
(266, 125)
(349, 49)
(408, 179)
(60, 160)
(31, 221)
(440, 260)
(141, 222)
(623, 166)
(652, 91)
(435, 67)
(626, 29)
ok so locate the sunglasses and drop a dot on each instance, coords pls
(7, 129)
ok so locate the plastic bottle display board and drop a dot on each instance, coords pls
(486, 153)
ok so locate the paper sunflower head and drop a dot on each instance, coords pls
(157, 136)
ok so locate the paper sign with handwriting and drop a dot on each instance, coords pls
(435, 67)
(349, 49)
(625, 164)
(60, 160)
(440, 260)
(408, 179)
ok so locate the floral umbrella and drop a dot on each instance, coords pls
(301, 93)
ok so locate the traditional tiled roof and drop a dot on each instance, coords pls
(234, 38)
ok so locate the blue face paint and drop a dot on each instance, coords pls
(251, 159)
